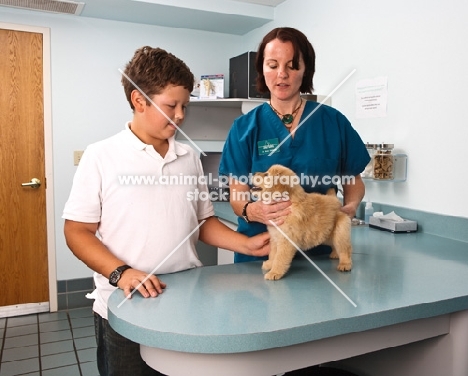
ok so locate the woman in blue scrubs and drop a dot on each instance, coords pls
(316, 141)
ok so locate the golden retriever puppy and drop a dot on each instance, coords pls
(314, 219)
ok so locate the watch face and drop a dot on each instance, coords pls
(114, 277)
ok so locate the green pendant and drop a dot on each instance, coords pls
(287, 119)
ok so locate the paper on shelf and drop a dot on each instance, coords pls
(212, 86)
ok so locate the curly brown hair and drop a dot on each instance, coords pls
(152, 69)
(302, 47)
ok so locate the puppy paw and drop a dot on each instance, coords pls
(334, 255)
(344, 267)
(266, 265)
(272, 276)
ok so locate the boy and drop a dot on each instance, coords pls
(140, 224)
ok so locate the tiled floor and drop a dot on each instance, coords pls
(49, 344)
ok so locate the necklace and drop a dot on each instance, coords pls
(287, 118)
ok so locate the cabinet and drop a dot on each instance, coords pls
(225, 256)
(207, 254)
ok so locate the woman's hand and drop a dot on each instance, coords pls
(350, 210)
(264, 212)
(353, 193)
(148, 285)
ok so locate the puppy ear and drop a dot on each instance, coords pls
(275, 170)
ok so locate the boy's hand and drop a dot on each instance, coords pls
(147, 284)
(258, 245)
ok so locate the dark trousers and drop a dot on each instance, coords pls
(117, 355)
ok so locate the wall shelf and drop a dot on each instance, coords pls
(211, 119)
(248, 104)
(400, 163)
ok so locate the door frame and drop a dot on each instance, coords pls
(48, 155)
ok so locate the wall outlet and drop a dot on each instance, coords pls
(77, 154)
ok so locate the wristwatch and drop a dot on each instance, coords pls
(114, 277)
(244, 212)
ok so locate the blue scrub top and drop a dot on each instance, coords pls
(325, 148)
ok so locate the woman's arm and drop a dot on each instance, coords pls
(353, 193)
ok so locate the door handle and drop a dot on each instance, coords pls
(35, 183)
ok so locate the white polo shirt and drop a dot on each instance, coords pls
(144, 204)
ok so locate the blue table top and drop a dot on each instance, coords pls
(231, 308)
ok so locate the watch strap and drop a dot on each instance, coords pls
(115, 276)
(122, 268)
(244, 212)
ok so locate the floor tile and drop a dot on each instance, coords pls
(65, 341)
(61, 335)
(54, 326)
(62, 371)
(22, 320)
(19, 367)
(58, 360)
(81, 312)
(27, 340)
(52, 316)
(56, 347)
(87, 355)
(82, 322)
(19, 353)
(85, 343)
(89, 369)
(83, 332)
(22, 330)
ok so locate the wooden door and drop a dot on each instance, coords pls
(23, 229)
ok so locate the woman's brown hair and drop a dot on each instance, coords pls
(302, 47)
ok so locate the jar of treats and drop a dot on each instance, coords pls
(383, 162)
(369, 170)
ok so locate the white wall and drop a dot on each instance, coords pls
(421, 47)
(88, 102)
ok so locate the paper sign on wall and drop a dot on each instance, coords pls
(371, 97)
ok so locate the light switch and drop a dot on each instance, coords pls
(77, 156)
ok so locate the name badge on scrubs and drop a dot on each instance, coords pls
(265, 147)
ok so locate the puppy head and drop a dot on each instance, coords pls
(277, 183)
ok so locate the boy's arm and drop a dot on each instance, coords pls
(215, 233)
(82, 241)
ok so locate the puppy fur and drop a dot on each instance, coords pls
(314, 219)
